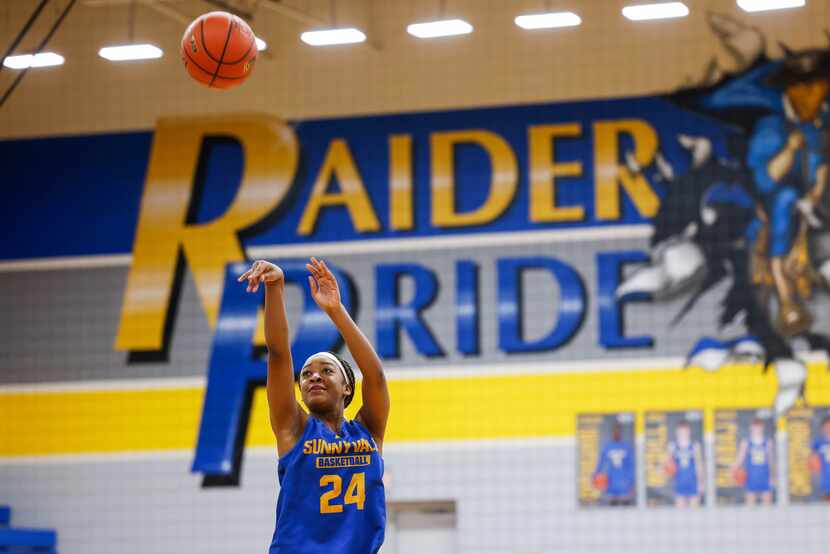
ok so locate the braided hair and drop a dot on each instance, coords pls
(350, 375)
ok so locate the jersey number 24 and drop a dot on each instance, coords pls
(355, 493)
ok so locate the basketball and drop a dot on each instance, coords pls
(739, 476)
(670, 468)
(814, 464)
(219, 50)
(600, 481)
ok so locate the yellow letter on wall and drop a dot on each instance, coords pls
(544, 171)
(400, 182)
(610, 174)
(353, 196)
(270, 159)
(502, 183)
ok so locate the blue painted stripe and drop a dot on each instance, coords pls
(27, 538)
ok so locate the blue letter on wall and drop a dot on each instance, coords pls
(391, 315)
(234, 371)
(571, 304)
(466, 307)
(611, 318)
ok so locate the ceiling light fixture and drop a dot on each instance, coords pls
(549, 20)
(44, 59)
(665, 10)
(440, 28)
(328, 37)
(129, 52)
(764, 5)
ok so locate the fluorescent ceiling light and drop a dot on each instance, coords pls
(128, 52)
(548, 20)
(663, 10)
(261, 44)
(44, 59)
(763, 5)
(442, 28)
(328, 37)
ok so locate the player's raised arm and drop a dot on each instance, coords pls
(741, 458)
(326, 293)
(287, 418)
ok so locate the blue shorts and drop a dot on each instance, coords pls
(758, 485)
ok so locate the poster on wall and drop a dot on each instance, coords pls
(808, 454)
(745, 457)
(607, 463)
(675, 459)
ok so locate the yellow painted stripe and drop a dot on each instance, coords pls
(463, 408)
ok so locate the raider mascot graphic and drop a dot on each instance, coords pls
(753, 211)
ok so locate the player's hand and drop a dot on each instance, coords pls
(796, 140)
(323, 285)
(262, 272)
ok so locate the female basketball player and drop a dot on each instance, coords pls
(330, 469)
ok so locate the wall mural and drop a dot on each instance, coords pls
(755, 214)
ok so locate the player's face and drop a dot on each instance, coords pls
(322, 386)
(756, 431)
(807, 98)
(683, 434)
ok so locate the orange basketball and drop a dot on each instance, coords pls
(219, 50)
(739, 475)
(670, 468)
(814, 463)
(600, 481)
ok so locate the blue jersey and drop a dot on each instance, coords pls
(757, 464)
(685, 480)
(331, 493)
(617, 461)
(821, 447)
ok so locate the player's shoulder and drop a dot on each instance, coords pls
(355, 425)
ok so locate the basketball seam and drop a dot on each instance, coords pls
(245, 55)
(224, 49)
(210, 72)
(204, 44)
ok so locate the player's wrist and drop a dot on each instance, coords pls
(337, 312)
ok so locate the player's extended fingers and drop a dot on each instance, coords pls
(312, 283)
(311, 269)
(251, 281)
(257, 280)
(245, 275)
(326, 271)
